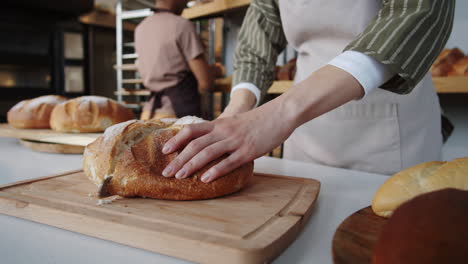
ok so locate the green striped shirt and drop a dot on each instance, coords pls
(405, 35)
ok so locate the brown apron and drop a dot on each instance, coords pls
(184, 99)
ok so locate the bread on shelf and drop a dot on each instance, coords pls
(417, 180)
(460, 68)
(286, 72)
(34, 113)
(88, 114)
(444, 64)
(127, 160)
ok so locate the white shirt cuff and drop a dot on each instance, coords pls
(248, 86)
(369, 72)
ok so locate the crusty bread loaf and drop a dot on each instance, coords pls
(443, 65)
(87, 114)
(127, 161)
(287, 71)
(460, 68)
(34, 113)
(429, 229)
(419, 179)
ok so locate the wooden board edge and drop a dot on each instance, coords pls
(17, 183)
(306, 180)
(159, 242)
(52, 147)
(363, 254)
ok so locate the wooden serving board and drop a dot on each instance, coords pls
(356, 236)
(52, 147)
(48, 135)
(252, 226)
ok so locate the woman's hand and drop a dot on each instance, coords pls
(244, 137)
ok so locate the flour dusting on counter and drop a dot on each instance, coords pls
(101, 202)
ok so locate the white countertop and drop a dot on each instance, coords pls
(342, 193)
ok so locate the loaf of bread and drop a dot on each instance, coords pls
(419, 179)
(429, 229)
(287, 71)
(460, 68)
(34, 113)
(88, 114)
(127, 161)
(443, 65)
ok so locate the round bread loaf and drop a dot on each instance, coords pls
(431, 228)
(87, 114)
(127, 160)
(419, 179)
(34, 113)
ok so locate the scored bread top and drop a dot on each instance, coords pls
(34, 113)
(87, 114)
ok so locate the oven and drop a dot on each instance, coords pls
(42, 50)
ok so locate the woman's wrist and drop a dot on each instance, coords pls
(241, 101)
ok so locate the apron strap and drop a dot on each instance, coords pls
(184, 98)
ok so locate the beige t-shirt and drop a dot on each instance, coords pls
(165, 43)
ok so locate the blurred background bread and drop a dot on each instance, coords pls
(419, 179)
(431, 228)
(34, 113)
(450, 62)
(128, 161)
(87, 114)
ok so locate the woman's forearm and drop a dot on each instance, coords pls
(324, 90)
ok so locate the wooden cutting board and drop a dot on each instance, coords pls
(52, 147)
(252, 226)
(356, 236)
(48, 135)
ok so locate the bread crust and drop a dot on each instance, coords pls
(88, 114)
(419, 179)
(136, 168)
(34, 113)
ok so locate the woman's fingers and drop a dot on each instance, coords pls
(192, 149)
(185, 135)
(204, 157)
(227, 165)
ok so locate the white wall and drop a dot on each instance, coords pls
(459, 37)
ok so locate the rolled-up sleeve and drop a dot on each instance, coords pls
(260, 40)
(407, 36)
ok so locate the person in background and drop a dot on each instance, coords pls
(171, 62)
(362, 97)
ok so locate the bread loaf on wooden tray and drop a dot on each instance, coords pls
(417, 180)
(443, 65)
(88, 114)
(34, 113)
(127, 160)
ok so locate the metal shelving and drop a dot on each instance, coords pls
(132, 84)
(120, 67)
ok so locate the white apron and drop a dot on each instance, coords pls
(382, 133)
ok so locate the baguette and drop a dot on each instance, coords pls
(417, 180)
